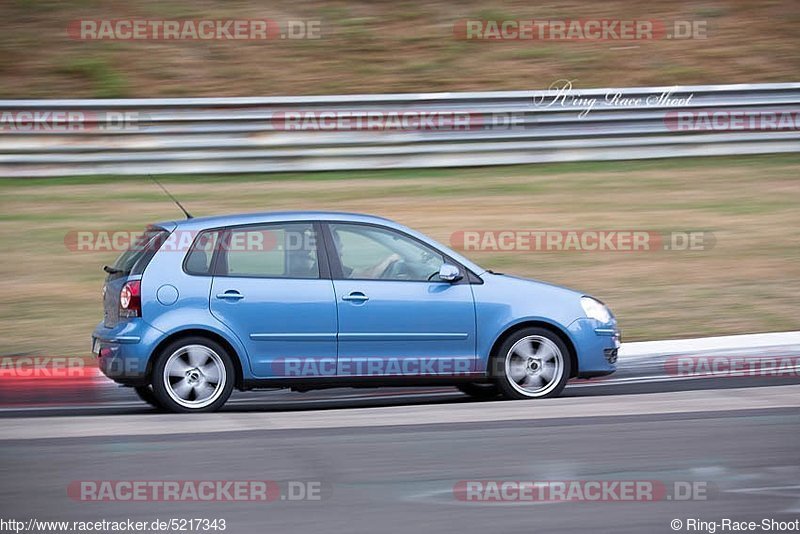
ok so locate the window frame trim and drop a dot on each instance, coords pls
(214, 265)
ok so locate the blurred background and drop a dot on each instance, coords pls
(384, 47)
(87, 112)
(748, 281)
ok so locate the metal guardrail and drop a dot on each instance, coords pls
(241, 135)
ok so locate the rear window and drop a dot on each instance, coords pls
(278, 250)
(140, 252)
(275, 250)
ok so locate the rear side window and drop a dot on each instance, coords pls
(198, 260)
(140, 252)
(281, 250)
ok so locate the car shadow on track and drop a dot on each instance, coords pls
(349, 398)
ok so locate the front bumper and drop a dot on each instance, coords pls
(597, 345)
(123, 352)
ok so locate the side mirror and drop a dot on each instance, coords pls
(449, 273)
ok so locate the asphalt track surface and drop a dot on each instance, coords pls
(392, 460)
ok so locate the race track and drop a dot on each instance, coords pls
(393, 460)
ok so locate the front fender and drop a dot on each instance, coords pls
(489, 342)
(503, 302)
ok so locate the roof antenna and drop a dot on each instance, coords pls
(175, 200)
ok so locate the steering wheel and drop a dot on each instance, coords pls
(395, 269)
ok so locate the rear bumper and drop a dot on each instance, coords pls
(597, 346)
(123, 352)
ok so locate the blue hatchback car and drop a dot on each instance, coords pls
(310, 300)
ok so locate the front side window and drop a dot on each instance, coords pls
(374, 253)
(285, 250)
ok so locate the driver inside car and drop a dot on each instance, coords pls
(373, 272)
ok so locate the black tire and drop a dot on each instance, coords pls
(537, 344)
(146, 394)
(480, 390)
(179, 350)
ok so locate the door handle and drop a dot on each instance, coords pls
(231, 294)
(356, 296)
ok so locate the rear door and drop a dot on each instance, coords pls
(272, 287)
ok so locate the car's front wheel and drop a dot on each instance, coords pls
(193, 375)
(532, 363)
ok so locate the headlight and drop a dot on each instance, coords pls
(595, 309)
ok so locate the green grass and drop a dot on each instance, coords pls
(107, 82)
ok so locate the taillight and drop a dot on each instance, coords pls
(130, 300)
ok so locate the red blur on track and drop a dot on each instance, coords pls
(48, 380)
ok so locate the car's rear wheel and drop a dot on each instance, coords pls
(480, 390)
(146, 394)
(193, 375)
(532, 363)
